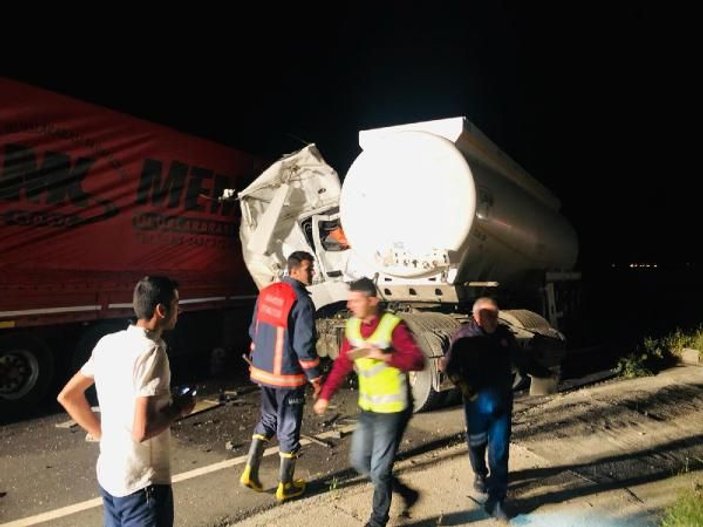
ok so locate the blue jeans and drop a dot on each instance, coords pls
(374, 445)
(488, 426)
(281, 416)
(148, 507)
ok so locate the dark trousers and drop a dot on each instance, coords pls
(148, 507)
(281, 416)
(373, 449)
(488, 427)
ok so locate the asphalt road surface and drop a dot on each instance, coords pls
(47, 472)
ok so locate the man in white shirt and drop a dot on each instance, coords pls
(131, 373)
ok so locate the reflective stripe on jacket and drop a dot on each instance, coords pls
(283, 336)
(382, 388)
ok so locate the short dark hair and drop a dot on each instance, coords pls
(151, 291)
(364, 285)
(298, 257)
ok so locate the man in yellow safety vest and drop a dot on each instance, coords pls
(381, 348)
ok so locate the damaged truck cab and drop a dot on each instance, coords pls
(437, 215)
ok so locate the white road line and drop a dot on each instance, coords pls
(97, 502)
(221, 465)
(57, 513)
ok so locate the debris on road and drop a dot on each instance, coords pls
(231, 446)
(201, 406)
(328, 422)
(317, 441)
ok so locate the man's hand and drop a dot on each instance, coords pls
(188, 407)
(184, 404)
(320, 406)
(468, 393)
(378, 354)
(358, 353)
(72, 398)
(316, 388)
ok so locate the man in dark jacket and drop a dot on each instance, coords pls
(480, 362)
(283, 360)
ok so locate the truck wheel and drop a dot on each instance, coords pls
(432, 332)
(26, 371)
(536, 337)
(425, 397)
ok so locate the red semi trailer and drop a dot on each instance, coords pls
(90, 201)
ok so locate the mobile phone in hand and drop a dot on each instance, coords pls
(187, 391)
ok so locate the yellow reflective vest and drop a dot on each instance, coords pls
(382, 388)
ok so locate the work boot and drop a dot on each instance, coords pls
(408, 494)
(477, 458)
(480, 484)
(250, 476)
(288, 487)
(497, 509)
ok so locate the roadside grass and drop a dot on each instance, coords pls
(333, 487)
(687, 510)
(656, 354)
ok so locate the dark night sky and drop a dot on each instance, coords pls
(594, 101)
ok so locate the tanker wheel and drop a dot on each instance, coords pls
(26, 372)
(432, 332)
(425, 397)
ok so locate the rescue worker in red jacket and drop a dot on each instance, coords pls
(283, 361)
(380, 347)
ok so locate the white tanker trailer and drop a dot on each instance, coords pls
(437, 215)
